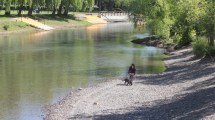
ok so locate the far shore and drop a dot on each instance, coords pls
(56, 27)
(186, 90)
(56, 24)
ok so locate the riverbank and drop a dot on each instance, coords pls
(9, 25)
(156, 42)
(186, 90)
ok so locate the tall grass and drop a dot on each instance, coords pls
(201, 48)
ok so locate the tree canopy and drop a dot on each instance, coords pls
(180, 20)
(54, 5)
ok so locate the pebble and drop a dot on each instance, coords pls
(95, 103)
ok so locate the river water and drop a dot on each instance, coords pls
(40, 68)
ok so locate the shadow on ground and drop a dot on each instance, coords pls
(192, 106)
(179, 72)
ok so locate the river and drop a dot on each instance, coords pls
(40, 68)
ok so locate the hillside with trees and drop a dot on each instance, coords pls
(182, 22)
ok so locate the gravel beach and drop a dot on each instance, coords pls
(186, 90)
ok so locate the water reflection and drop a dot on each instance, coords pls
(38, 68)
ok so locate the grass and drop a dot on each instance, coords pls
(58, 21)
(201, 48)
(14, 26)
(44, 17)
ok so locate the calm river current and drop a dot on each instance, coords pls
(40, 68)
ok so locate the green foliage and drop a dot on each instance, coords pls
(6, 27)
(123, 2)
(56, 3)
(7, 5)
(157, 15)
(77, 5)
(90, 4)
(200, 47)
(30, 2)
(186, 38)
(84, 6)
(210, 51)
(159, 27)
(185, 19)
(178, 19)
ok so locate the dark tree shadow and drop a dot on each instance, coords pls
(180, 72)
(192, 106)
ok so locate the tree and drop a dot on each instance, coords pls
(84, 5)
(187, 14)
(55, 4)
(76, 5)
(90, 4)
(123, 3)
(7, 7)
(156, 13)
(180, 20)
(30, 7)
(65, 5)
(202, 19)
(209, 20)
(38, 4)
(21, 4)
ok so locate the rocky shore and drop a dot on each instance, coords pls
(186, 90)
(155, 42)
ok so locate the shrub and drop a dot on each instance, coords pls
(6, 27)
(210, 51)
(200, 47)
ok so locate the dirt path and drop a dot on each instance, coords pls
(184, 91)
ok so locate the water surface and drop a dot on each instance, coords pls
(41, 67)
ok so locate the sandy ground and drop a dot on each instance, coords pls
(185, 91)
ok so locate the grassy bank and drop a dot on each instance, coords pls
(59, 21)
(9, 24)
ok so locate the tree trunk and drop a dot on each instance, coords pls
(30, 11)
(59, 12)
(111, 5)
(54, 11)
(211, 43)
(7, 13)
(66, 13)
(20, 10)
(100, 5)
(7, 8)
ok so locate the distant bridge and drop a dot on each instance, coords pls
(114, 16)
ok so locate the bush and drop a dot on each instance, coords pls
(210, 51)
(200, 47)
(185, 38)
(6, 27)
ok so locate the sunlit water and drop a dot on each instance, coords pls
(40, 68)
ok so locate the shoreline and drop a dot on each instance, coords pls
(58, 23)
(186, 90)
(56, 27)
(155, 42)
